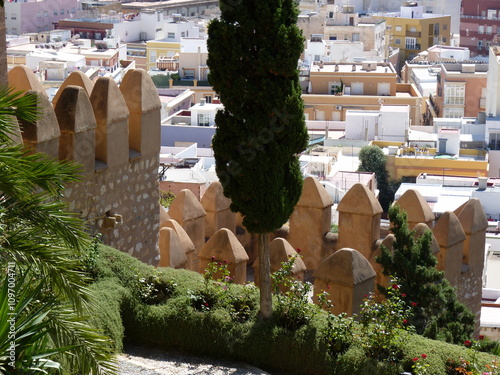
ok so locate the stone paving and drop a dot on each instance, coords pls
(145, 361)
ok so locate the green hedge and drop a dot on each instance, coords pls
(175, 324)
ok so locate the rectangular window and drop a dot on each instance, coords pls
(61, 11)
(413, 29)
(398, 28)
(480, 29)
(357, 88)
(56, 12)
(171, 35)
(454, 94)
(397, 41)
(183, 34)
(317, 57)
(445, 26)
(152, 56)
(411, 43)
(479, 44)
(454, 112)
(208, 99)
(436, 29)
(13, 16)
(428, 9)
(383, 89)
(355, 37)
(189, 73)
(45, 14)
(489, 30)
(203, 119)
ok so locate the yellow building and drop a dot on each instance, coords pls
(335, 88)
(413, 31)
(159, 48)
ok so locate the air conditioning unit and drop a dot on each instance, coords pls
(338, 107)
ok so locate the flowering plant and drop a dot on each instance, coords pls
(420, 365)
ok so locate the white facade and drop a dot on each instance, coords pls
(394, 123)
(493, 83)
(73, 61)
(361, 125)
(203, 114)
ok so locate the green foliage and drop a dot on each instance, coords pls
(293, 308)
(176, 325)
(436, 311)
(338, 332)
(261, 129)
(372, 159)
(384, 324)
(152, 289)
(89, 257)
(166, 198)
(45, 243)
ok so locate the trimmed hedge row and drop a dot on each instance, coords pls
(175, 324)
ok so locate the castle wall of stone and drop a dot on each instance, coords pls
(114, 136)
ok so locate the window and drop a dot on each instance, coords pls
(152, 56)
(411, 43)
(384, 88)
(203, 119)
(397, 41)
(13, 16)
(183, 34)
(334, 37)
(208, 99)
(317, 57)
(445, 26)
(480, 29)
(39, 14)
(398, 28)
(413, 29)
(14, 30)
(428, 9)
(355, 37)
(61, 11)
(335, 88)
(189, 73)
(357, 88)
(444, 40)
(489, 30)
(436, 29)
(73, 10)
(454, 112)
(56, 12)
(170, 35)
(45, 14)
(479, 44)
(454, 94)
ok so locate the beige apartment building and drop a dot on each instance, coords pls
(335, 88)
(413, 31)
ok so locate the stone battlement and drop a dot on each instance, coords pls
(114, 133)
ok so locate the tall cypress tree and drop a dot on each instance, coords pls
(254, 50)
(437, 313)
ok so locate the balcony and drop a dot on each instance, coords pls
(413, 34)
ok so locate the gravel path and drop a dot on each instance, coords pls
(142, 361)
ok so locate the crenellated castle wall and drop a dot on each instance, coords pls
(113, 132)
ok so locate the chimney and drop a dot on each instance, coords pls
(482, 183)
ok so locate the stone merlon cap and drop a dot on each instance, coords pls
(419, 229)
(314, 195)
(22, 78)
(46, 127)
(186, 242)
(186, 206)
(280, 250)
(416, 207)
(361, 201)
(346, 266)
(448, 230)
(77, 78)
(107, 101)
(74, 110)
(472, 217)
(214, 199)
(139, 92)
(224, 245)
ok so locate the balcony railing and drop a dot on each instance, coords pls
(413, 34)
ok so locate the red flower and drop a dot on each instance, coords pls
(405, 321)
(415, 359)
(213, 258)
(414, 304)
(424, 356)
(481, 337)
(467, 343)
(298, 250)
(403, 295)
(206, 304)
(328, 286)
(226, 262)
(395, 286)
